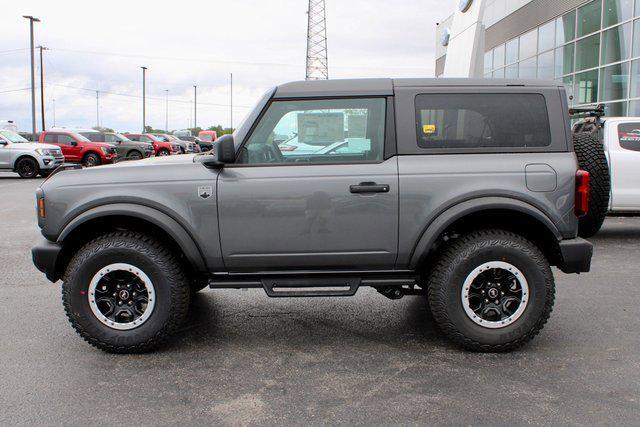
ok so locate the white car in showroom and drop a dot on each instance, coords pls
(27, 159)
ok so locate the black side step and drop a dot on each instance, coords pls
(311, 287)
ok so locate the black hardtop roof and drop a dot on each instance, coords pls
(349, 87)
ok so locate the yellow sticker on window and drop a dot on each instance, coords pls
(429, 129)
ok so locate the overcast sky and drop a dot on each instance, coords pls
(101, 46)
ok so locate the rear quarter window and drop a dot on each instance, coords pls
(629, 136)
(480, 121)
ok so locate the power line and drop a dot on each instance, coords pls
(15, 90)
(182, 101)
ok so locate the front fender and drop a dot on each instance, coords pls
(154, 216)
(453, 213)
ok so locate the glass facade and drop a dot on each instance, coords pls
(593, 50)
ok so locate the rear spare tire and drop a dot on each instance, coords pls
(591, 158)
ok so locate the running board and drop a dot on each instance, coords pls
(314, 285)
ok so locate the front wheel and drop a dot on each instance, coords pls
(125, 293)
(163, 152)
(491, 291)
(135, 155)
(27, 168)
(91, 160)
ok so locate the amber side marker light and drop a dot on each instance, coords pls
(41, 207)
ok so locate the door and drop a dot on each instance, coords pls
(311, 189)
(5, 153)
(623, 143)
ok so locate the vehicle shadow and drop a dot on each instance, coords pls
(292, 324)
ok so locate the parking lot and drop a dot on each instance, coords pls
(243, 358)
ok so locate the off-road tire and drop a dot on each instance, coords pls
(156, 261)
(591, 158)
(459, 259)
(91, 159)
(27, 168)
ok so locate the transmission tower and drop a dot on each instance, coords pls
(317, 65)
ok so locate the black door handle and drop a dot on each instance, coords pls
(369, 187)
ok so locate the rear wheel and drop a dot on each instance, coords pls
(591, 157)
(91, 159)
(491, 291)
(27, 168)
(124, 292)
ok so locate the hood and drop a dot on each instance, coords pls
(32, 146)
(152, 161)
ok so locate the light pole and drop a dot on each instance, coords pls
(42, 86)
(231, 109)
(166, 110)
(144, 98)
(195, 106)
(97, 109)
(54, 112)
(33, 76)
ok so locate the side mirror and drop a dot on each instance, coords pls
(225, 152)
(74, 142)
(226, 149)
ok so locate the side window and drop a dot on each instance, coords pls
(65, 139)
(51, 137)
(476, 121)
(318, 131)
(629, 136)
(109, 138)
(143, 138)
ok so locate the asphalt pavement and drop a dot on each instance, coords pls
(243, 358)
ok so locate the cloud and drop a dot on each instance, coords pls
(194, 42)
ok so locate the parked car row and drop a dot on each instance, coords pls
(89, 147)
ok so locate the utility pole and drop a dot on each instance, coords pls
(54, 112)
(166, 111)
(42, 86)
(97, 109)
(144, 98)
(33, 76)
(195, 106)
(231, 109)
(317, 63)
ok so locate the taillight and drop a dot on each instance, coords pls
(583, 193)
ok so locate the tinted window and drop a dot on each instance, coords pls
(629, 136)
(134, 137)
(51, 137)
(460, 121)
(143, 138)
(339, 130)
(65, 139)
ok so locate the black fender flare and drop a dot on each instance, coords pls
(177, 232)
(462, 209)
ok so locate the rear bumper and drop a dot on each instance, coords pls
(45, 257)
(576, 255)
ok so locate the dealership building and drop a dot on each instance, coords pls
(593, 47)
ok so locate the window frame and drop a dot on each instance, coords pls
(389, 134)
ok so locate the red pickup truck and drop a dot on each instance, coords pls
(162, 148)
(78, 149)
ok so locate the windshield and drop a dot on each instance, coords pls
(206, 138)
(79, 137)
(162, 138)
(121, 137)
(12, 136)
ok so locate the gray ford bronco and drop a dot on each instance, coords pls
(464, 191)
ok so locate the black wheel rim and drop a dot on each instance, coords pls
(121, 296)
(27, 169)
(495, 294)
